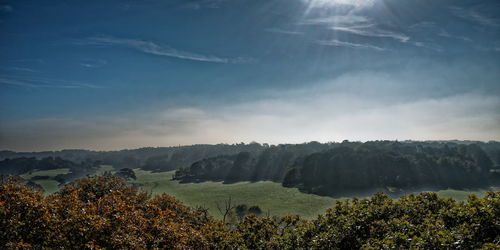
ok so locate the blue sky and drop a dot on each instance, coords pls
(126, 74)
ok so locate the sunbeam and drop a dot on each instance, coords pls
(330, 3)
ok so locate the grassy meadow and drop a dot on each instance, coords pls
(460, 195)
(49, 185)
(271, 197)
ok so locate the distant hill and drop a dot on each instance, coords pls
(321, 168)
(155, 159)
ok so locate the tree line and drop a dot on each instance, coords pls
(171, 158)
(149, 158)
(340, 168)
(22, 165)
(25, 165)
(321, 168)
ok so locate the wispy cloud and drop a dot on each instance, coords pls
(286, 32)
(93, 63)
(159, 50)
(427, 45)
(443, 33)
(423, 25)
(432, 27)
(371, 31)
(29, 60)
(23, 69)
(11, 81)
(357, 25)
(6, 8)
(204, 4)
(474, 16)
(338, 43)
(44, 83)
(337, 3)
(90, 65)
(336, 20)
(488, 48)
(359, 112)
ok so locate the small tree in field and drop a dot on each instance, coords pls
(225, 209)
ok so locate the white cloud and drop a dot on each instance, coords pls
(444, 33)
(159, 50)
(286, 32)
(273, 121)
(475, 16)
(93, 63)
(204, 4)
(336, 3)
(338, 43)
(371, 31)
(22, 69)
(427, 45)
(427, 27)
(357, 106)
(337, 20)
(31, 82)
(356, 24)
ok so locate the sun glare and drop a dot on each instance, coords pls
(331, 3)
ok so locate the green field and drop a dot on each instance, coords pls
(104, 168)
(50, 173)
(271, 197)
(460, 195)
(50, 186)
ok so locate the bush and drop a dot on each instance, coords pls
(96, 212)
(105, 212)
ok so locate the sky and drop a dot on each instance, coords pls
(107, 75)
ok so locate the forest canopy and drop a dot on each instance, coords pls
(352, 167)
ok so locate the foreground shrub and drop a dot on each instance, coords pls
(96, 212)
(105, 212)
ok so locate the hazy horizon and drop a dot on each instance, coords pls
(236, 143)
(128, 74)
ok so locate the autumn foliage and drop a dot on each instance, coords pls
(105, 212)
(97, 212)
